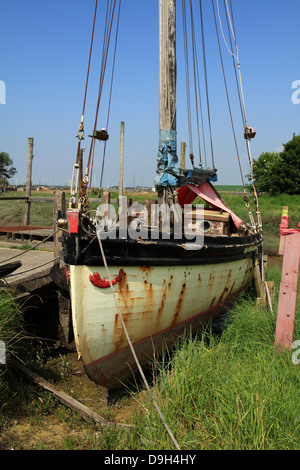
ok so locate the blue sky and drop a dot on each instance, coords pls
(43, 62)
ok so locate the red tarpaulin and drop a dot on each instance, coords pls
(284, 227)
(189, 192)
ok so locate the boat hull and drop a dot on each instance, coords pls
(158, 304)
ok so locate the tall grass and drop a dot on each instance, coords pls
(229, 392)
(11, 324)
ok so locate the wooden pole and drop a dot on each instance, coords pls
(59, 211)
(167, 65)
(167, 84)
(182, 155)
(287, 302)
(28, 181)
(65, 399)
(121, 160)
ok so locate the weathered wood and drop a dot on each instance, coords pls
(59, 210)
(84, 411)
(121, 160)
(65, 320)
(287, 302)
(28, 181)
(24, 198)
(167, 65)
(267, 293)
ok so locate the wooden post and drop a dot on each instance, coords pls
(28, 181)
(182, 155)
(121, 160)
(59, 211)
(167, 64)
(287, 302)
(106, 201)
(167, 81)
(282, 238)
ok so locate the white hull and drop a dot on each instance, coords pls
(157, 303)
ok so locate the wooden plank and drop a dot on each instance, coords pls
(86, 413)
(59, 210)
(4, 198)
(282, 238)
(28, 181)
(286, 312)
(257, 278)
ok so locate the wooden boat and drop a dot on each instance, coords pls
(143, 292)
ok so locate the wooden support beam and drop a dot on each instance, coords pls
(75, 405)
(106, 203)
(28, 181)
(282, 238)
(182, 155)
(59, 210)
(287, 302)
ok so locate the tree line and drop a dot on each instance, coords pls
(276, 173)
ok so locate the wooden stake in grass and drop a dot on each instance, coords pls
(286, 313)
(85, 412)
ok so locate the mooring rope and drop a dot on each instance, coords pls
(133, 351)
(31, 248)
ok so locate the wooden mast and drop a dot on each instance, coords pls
(167, 65)
(167, 156)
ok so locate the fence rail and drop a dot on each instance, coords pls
(27, 198)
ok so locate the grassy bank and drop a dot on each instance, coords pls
(230, 392)
(225, 391)
(11, 330)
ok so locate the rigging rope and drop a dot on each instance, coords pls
(187, 82)
(106, 41)
(133, 351)
(227, 94)
(206, 85)
(246, 198)
(110, 94)
(80, 132)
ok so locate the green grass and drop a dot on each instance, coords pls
(229, 392)
(271, 210)
(12, 212)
